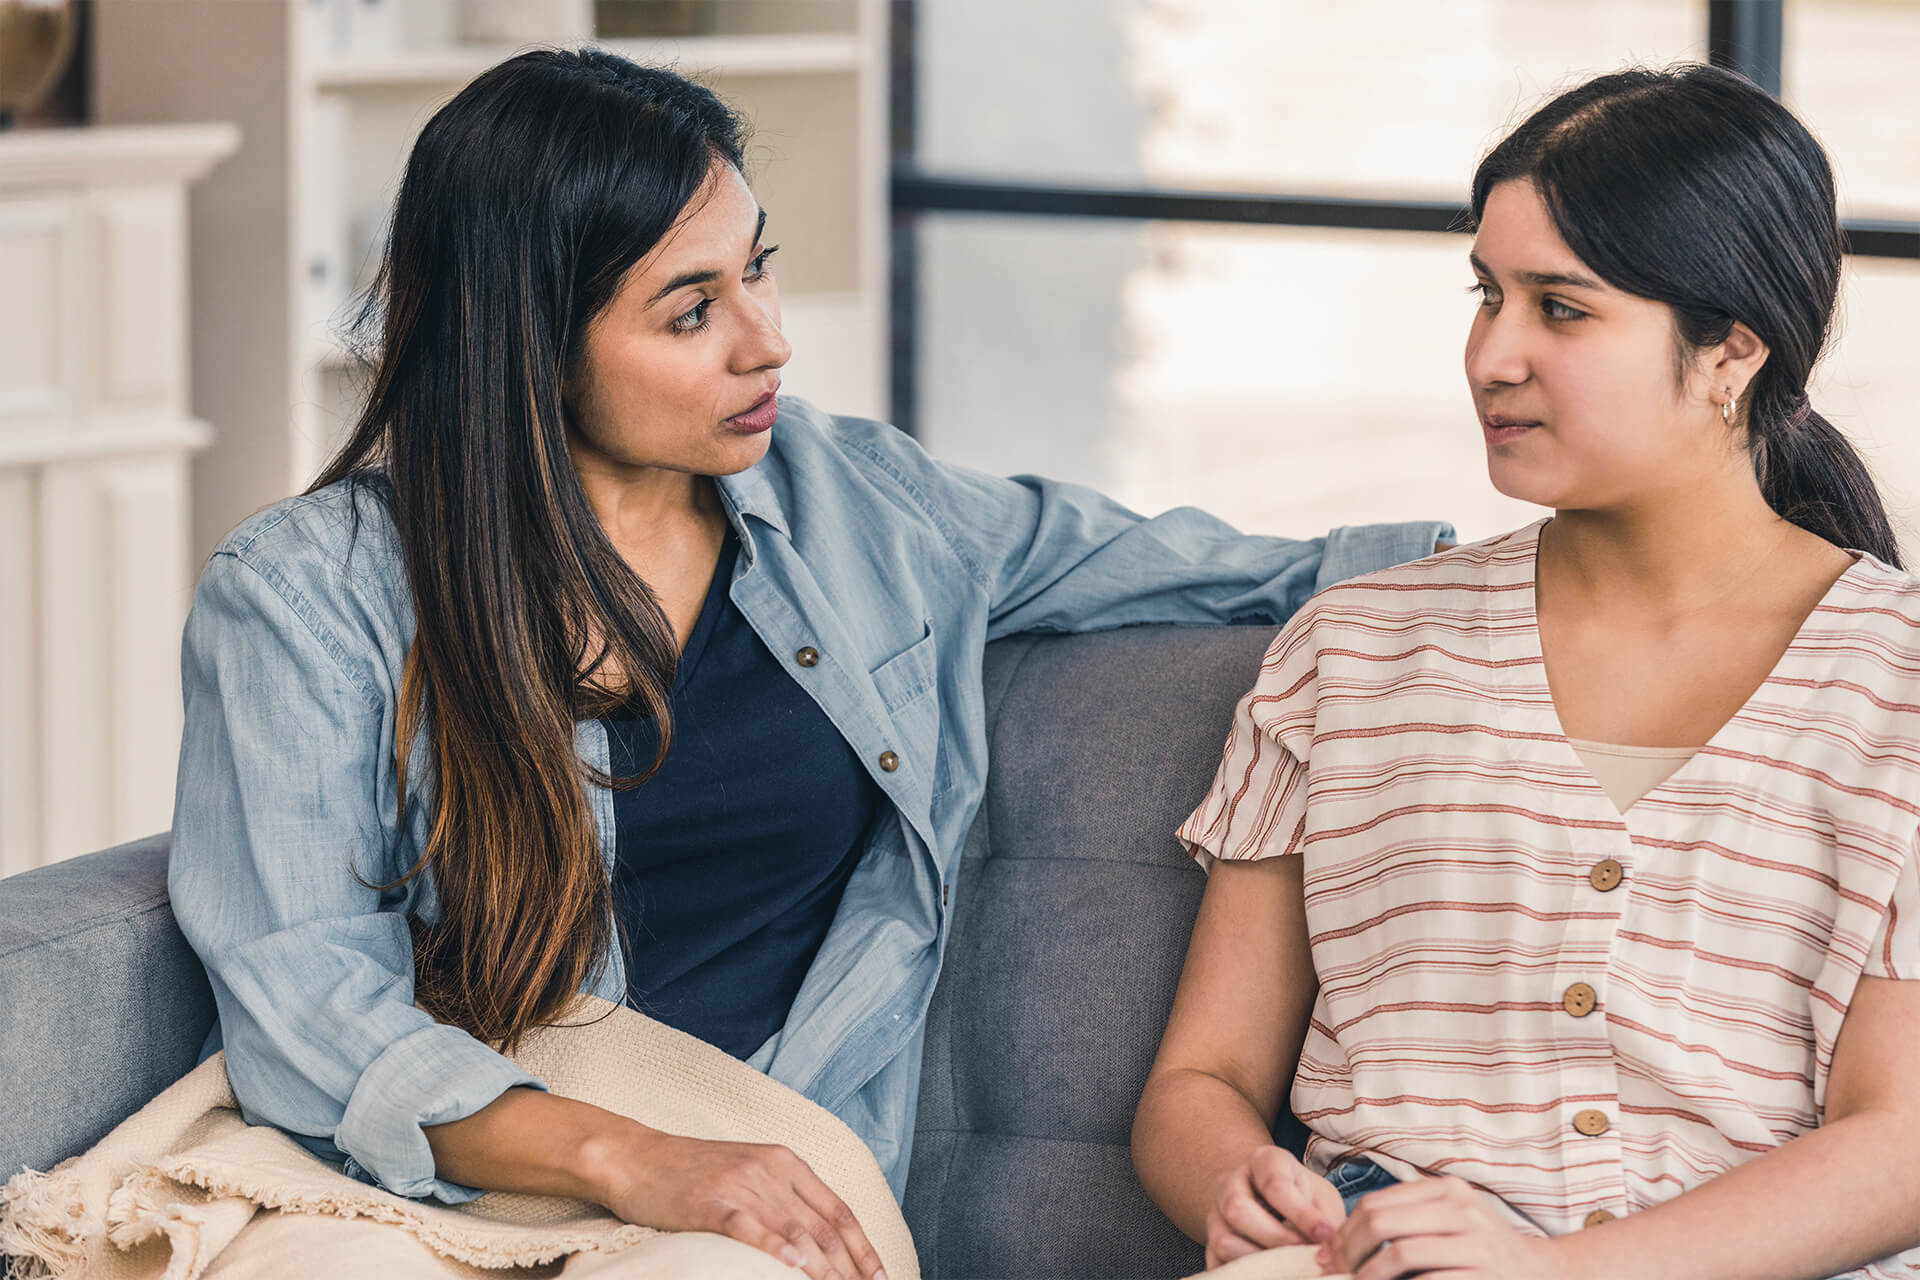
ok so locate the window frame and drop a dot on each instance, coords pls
(1742, 35)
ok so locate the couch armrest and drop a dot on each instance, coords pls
(102, 1003)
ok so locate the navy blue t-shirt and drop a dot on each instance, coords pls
(730, 861)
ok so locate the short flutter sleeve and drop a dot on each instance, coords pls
(1257, 805)
(1895, 952)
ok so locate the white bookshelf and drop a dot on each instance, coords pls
(285, 235)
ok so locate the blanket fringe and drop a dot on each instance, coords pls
(546, 1245)
(48, 1233)
(45, 1230)
(141, 1210)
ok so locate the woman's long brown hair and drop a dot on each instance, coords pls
(525, 201)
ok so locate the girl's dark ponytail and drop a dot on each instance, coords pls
(1810, 474)
(1693, 187)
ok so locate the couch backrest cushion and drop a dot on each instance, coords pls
(102, 1003)
(1073, 908)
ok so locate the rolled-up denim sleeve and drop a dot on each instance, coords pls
(1054, 556)
(284, 821)
(1353, 549)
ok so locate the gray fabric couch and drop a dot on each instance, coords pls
(1071, 918)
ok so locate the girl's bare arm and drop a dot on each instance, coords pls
(1232, 1041)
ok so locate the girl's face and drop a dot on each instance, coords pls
(1574, 380)
(680, 369)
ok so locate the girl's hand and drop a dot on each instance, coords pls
(763, 1196)
(1270, 1201)
(1439, 1228)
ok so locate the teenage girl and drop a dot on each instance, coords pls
(1568, 879)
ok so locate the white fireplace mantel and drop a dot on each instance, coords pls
(95, 440)
(174, 154)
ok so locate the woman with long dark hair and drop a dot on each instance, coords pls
(1568, 880)
(590, 664)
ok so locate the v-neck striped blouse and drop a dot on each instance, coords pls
(1582, 1012)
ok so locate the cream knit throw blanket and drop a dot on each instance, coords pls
(185, 1188)
(1275, 1264)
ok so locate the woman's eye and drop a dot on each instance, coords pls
(1558, 310)
(1486, 293)
(758, 267)
(694, 320)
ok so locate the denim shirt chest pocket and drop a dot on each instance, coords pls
(908, 684)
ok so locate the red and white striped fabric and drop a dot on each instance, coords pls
(1575, 1010)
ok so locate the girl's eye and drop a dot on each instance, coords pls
(695, 319)
(1558, 310)
(757, 269)
(1485, 291)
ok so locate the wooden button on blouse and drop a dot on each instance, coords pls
(889, 761)
(1597, 1217)
(808, 657)
(1592, 1123)
(1579, 999)
(1606, 875)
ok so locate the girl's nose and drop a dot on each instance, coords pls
(1497, 350)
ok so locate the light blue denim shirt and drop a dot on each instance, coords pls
(896, 569)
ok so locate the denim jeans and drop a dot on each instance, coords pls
(1356, 1176)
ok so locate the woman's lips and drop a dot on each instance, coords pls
(1500, 430)
(758, 418)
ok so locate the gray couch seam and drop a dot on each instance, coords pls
(95, 923)
(1029, 1137)
(984, 814)
(1111, 862)
(1031, 642)
(946, 1181)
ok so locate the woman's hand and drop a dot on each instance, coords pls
(763, 1196)
(1269, 1201)
(1439, 1228)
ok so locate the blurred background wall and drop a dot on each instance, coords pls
(1289, 377)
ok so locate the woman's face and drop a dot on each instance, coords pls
(680, 369)
(1573, 379)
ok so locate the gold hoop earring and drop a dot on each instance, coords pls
(1727, 406)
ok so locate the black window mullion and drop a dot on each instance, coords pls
(930, 193)
(1746, 36)
(1743, 35)
(915, 192)
(903, 244)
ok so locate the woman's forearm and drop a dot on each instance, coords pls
(1823, 1203)
(1192, 1129)
(536, 1143)
(760, 1194)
